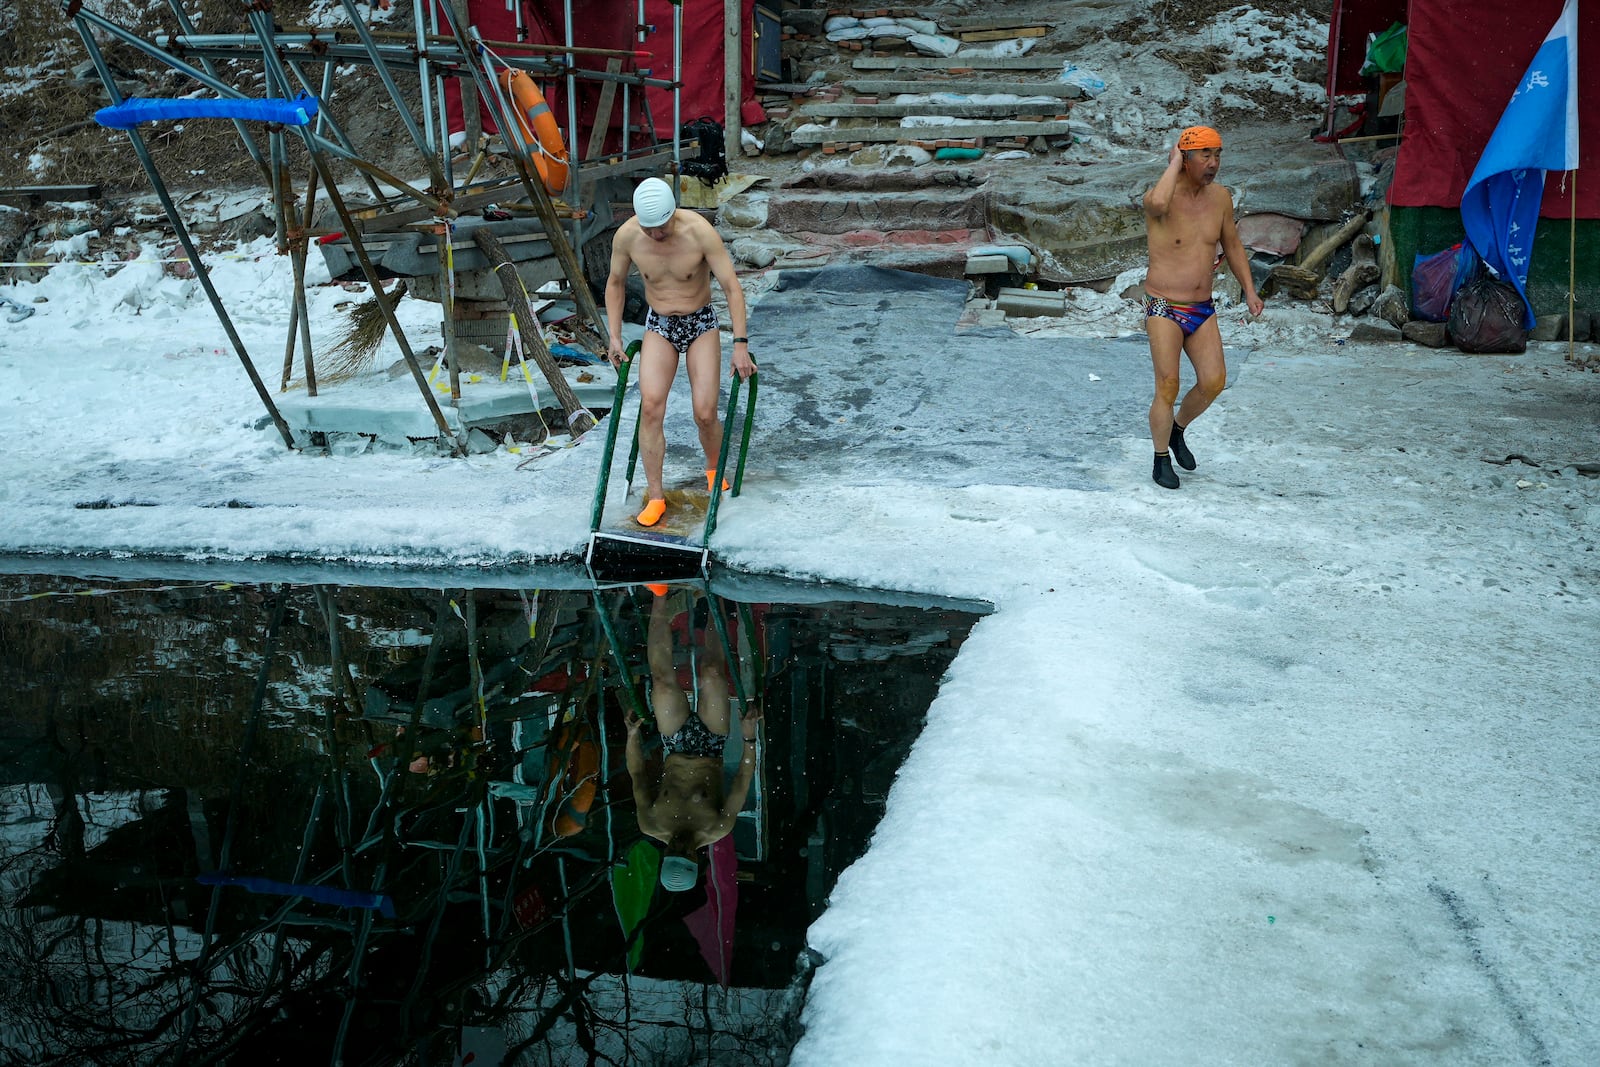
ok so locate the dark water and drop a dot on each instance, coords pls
(296, 823)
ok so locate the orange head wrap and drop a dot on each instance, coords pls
(1199, 137)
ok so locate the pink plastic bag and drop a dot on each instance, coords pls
(1436, 278)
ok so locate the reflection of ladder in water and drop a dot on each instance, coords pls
(678, 546)
(746, 674)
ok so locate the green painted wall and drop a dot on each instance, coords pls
(1429, 229)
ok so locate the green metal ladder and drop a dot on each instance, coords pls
(611, 551)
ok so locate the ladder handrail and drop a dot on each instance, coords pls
(611, 438)
(722, 456)
(727, 439)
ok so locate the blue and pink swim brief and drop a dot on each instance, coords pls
(1189, 317)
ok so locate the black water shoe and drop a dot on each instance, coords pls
(1180, 451)
(1163, 474)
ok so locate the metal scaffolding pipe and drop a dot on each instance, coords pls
(202, 275)
(400, 106)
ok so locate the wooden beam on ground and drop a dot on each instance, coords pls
(962, 110)
(957, 62)
(34, 195)
(992, 22)
(880, 87)
(951, 132)
(976, 36)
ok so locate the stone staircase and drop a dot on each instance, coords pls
(890, 111)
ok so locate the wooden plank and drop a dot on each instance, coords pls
(975, 36)
(602, 112)
(962, 110)
(958, 62)
(951, 132)
(961, 25)
(883, 87)
(34, 195)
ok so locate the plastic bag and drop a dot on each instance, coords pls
(1091, 84)
(1486, 316)
(1435, 279)
(1387, 52)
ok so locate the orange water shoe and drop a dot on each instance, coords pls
(653, 510)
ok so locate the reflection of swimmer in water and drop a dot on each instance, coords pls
(681, 802)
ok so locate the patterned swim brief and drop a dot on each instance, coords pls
(694, 738)
(1189, 317)
(681, 331)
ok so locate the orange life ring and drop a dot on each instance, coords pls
(538, 128)
(572, 773)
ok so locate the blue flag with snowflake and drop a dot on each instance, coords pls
(1537, 132)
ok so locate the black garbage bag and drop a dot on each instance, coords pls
(1486, 316)
(712, 161)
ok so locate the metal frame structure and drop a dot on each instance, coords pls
(429, 52)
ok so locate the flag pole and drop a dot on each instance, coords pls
(1572, 270)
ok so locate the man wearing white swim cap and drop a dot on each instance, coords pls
(677, 253)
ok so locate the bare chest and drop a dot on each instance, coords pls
(671, 263)
(1191, 223)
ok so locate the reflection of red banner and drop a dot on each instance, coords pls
(558, 680)
(712, 925)
(529, 908)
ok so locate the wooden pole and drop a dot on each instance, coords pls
(579, 420)
(732, 82)
(1572, 271)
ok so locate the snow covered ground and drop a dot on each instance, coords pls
(1297, 764)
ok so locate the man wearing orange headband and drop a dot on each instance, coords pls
(1188, 218)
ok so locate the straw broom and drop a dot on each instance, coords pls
(352, 354)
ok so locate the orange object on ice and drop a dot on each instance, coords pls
(652, 512)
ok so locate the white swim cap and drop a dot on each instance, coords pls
(652, 203)
(678, 873)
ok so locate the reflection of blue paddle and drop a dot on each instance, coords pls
(15, 312)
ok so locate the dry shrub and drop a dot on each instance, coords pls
(1197, 62)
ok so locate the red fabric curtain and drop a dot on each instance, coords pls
(1463, 62)
(703, 70)
(1347, 39)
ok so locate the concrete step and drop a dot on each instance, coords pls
(950, 131)
(839, 211)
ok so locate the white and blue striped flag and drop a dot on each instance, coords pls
(1538, 132)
